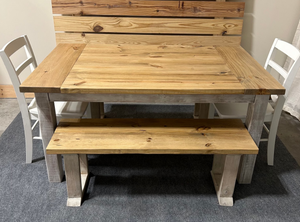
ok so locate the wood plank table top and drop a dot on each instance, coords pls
(150, 69)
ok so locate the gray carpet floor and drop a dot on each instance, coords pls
(144, 187)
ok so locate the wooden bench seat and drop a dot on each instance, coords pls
(77, 137)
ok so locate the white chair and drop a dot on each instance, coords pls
(239, 110)
(29, 112)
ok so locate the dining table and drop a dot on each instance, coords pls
(152, 74)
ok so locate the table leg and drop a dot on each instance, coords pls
(97, 110)
(201, 110)
(254, 123)
(47, 119)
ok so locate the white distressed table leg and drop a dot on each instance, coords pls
(254, 123)
(47, 121)
(97, 110)
(201, 110)
(224, 173)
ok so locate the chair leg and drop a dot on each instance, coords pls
(29, 145)
(273, 129)
(271, 141)
(28, 136)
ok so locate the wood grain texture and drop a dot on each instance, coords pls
(47, 122)
(8, 91)
(254, 123)
(224, 177)
(149, 8)
(153, 99)
(151, 136)
(51, 73)
(250, 73)
(143, 25)
(87, 38)
(151, 69)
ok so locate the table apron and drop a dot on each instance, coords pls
(152, 98)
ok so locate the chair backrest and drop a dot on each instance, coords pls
(292, 52)
(6, 52)
(194, 22)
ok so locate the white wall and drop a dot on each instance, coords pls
(264, 20)
(30, 17)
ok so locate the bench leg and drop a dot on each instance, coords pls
(97, 110)
(224, 173)
(76, 169)
(201, 110)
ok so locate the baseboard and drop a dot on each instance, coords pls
(7, 91)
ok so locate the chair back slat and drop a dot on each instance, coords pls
(169, 8)
(13, 46)
(7, 51)
(149, 22)
(292, 52)
(23, 65)
(278, 68)
(288, 49)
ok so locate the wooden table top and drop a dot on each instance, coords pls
(150, 69)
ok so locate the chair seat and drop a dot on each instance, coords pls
(239, 111)
(63, 109)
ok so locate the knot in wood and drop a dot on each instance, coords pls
(224, 33)
(98, 28)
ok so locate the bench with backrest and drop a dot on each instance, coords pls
(195, 23)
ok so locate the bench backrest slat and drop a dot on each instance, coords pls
(142, 25)
(149, 8)
(88, 20)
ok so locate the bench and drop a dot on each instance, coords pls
(75, 138)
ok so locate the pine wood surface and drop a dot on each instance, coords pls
(88, 38)
(150, 69)
(50, 74)
(156, 69)
(250, 73)
(151, 136)
(143, 25)
(8, 91)
(149, 8)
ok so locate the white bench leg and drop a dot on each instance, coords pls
(97, 110)
(76, 170)
(201, 110)
(224, 173)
